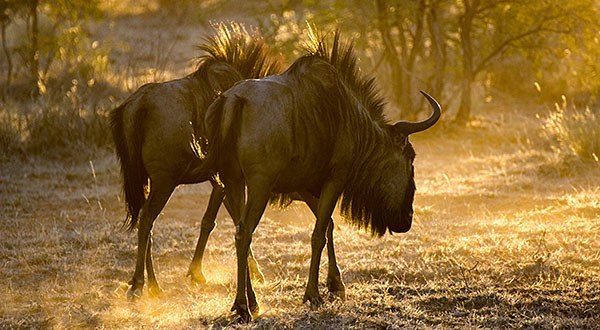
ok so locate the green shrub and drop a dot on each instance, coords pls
(55, 130)
(574, 132)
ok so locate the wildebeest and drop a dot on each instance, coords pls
(319, 128)
(153, 134)
(155, 139)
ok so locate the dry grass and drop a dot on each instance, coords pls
(497, 243)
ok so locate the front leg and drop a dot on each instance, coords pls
(335, 285)
(329, 195)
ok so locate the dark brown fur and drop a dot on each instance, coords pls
(155, 138)
(231, 55)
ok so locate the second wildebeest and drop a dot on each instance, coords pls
(318, 127)
(153, 135)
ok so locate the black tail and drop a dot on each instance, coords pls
(135, 177)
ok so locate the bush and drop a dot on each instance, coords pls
(54, 130)
(10, 138)
(574, 132)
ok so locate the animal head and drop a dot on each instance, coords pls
(381, 188)
(403, 156)
(398, 184)
(401, 170)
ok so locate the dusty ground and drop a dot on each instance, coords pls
(502, 238)
(505, 236)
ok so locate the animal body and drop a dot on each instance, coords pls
(317, 128)
(153, 135)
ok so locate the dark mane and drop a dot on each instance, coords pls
(355, 101)
(233, 53)
(343, 58)
(245, 50)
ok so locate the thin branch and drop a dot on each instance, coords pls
(491, 5)
(503, 46)
(376, 66)
(509, 41)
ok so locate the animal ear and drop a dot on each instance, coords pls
(398, 135)
(400, 140)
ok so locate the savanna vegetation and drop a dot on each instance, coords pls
(507, 212)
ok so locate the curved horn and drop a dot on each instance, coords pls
(409, 128)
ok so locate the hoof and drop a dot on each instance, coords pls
(242, 311)
(314, 298)
(197, 277)
(336, 287)
(134, 293)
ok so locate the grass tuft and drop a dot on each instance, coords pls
(574, 132)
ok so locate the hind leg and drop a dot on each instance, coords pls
(159, 195)
(206, 227)
(153, 287)
(258, 197)
(253, 267)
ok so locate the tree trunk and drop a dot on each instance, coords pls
(9, 62)
(391, 55)
(403, 96)
(438, 48)
(468, 74)
(402, 62)
(35, 52)
(464, 110)
(415, 51)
